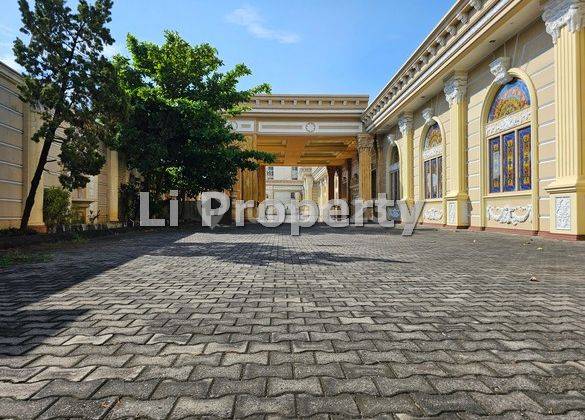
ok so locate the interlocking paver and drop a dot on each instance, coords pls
(24, 409)
(254, 322)
(65, 388)
(117, 387)
(218, 407)
(247, 405)
(131, 408)
(67, 407)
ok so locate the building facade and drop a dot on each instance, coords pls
(486, 119)
(18, 159)
(484, 123)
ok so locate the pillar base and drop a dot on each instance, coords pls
(458, 214)
(567, 206)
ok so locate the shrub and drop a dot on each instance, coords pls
(56, 208)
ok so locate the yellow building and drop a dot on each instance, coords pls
(18, 160)
(484, 123)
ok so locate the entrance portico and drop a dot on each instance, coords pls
(310, 131)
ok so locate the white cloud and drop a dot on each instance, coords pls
(249, 18)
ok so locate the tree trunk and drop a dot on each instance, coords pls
(34, 185)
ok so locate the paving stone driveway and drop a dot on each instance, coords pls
(250, 321)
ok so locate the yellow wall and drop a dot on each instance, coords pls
(11, 151)
(19, 157)
(532, 57)
(531, 52)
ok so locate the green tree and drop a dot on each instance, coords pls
(177, 134)
(56, 211)
(71, 84)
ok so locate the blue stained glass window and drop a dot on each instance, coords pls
(495, 166)
(524, 159)
(509, 161)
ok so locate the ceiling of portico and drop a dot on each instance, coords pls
(304, 130)
(308, 151)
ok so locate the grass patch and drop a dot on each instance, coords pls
(78, 238)
(14, 257)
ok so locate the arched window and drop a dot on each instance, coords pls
(394, 175)
(509, 139)
(433, 162)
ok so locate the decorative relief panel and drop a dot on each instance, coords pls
(433, 144)
(508, 122)
(563, 213)
(242, 126)
(510, 215)
(309, 127)
(433, 214)
(452, 212)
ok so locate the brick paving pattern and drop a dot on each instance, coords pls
(334, 323)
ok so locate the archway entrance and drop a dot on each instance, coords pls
(314, 139)
(393, 181)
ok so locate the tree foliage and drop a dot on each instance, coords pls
(177, 133)
(56, 210)
(72, 85)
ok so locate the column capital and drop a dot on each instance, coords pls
(390, 138)
(559, 13)
(405, 123)
(365, 142)
(428, 115)
(500, 68)
(456, 88)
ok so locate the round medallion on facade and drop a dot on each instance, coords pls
(234, 125)
(310, 127)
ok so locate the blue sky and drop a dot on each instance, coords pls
(298, 46)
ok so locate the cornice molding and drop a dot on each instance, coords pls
(500, 68)
(560, 13)
(465, 18)
(456, 89)
(476, 4)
